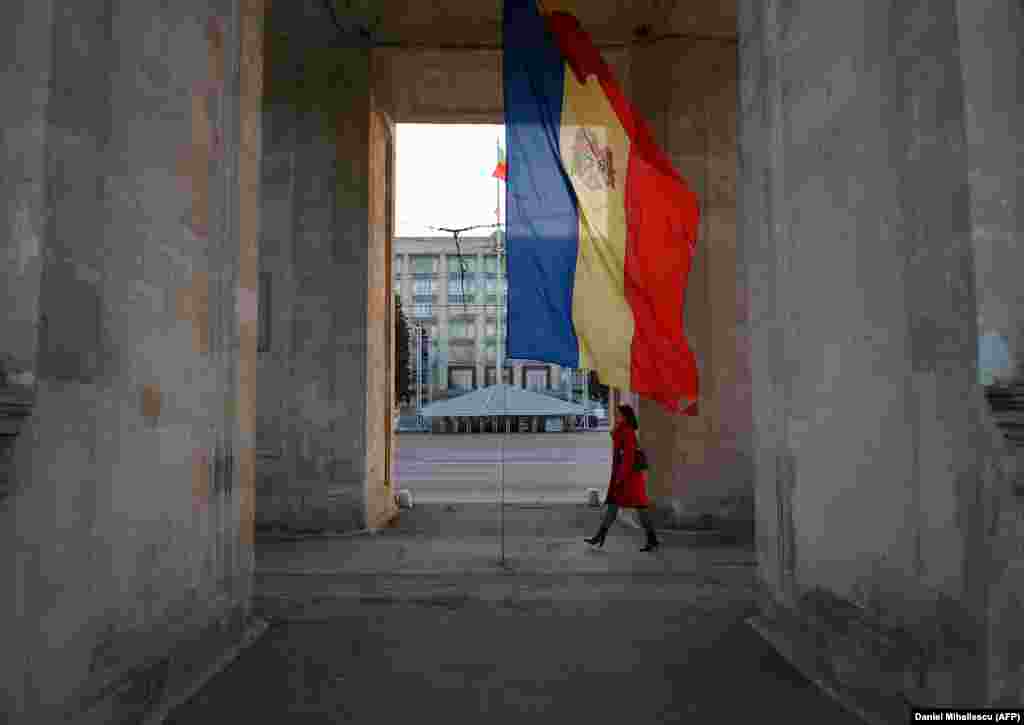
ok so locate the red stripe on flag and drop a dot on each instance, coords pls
(662, 219)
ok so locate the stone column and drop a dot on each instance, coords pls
(128, 235)
(702, 461)
(26, 50)
(991, 34)
(855, 238)
(991, 38)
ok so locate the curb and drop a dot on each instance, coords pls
(314, 535)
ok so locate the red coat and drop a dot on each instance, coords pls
(627, 487)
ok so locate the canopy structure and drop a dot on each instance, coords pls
(501, 399)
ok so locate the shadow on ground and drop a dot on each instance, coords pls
(565, 633)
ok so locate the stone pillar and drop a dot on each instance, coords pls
(26, 47)
(701, 464)
(127, 258)
(863, 328)
(331, 471)
(991, 37)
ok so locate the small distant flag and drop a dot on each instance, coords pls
(501, 170)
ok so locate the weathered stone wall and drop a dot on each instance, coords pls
(991, 35)
(380, 377)
(26, 44)
(992, 51)
(420, 85)
(686, 88)
(125, 542)
(877, 467)
(314, 369)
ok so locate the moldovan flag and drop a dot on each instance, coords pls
(601, 229)
(501, 169)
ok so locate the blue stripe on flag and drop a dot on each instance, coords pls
(542, 233)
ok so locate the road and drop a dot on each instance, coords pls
(536, 467)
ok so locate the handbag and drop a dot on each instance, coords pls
(640, 460)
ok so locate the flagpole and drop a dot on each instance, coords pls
(501, 356)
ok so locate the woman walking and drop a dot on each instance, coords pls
(627, 487)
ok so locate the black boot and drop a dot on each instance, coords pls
(598, 538)
(652, 541)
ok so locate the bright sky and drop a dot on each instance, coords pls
(443, 177)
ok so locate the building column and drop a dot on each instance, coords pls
(24, 217)
(891, 135)
(481, 330)
(442, 327)
(481, 326)
(406, 286)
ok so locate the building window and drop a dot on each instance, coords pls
(492, 374)
(460, 328)
(423, 286)
(536, 379)
(422, 264)
(461, 353)
(468, 265)
(456, 286)
(460, 379)
(423, 309)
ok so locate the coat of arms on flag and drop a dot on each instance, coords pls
(595, 166)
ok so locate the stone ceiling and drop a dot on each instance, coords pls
(461, 23)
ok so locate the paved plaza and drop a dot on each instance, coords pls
(423, 621)
(535, 467)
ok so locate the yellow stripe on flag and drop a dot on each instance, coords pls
(595, 152)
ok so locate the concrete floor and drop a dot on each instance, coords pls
(422, 622)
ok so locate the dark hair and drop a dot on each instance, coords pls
(627, 412)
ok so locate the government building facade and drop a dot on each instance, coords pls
(460, 315)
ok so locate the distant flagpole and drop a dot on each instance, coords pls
(501, 357)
